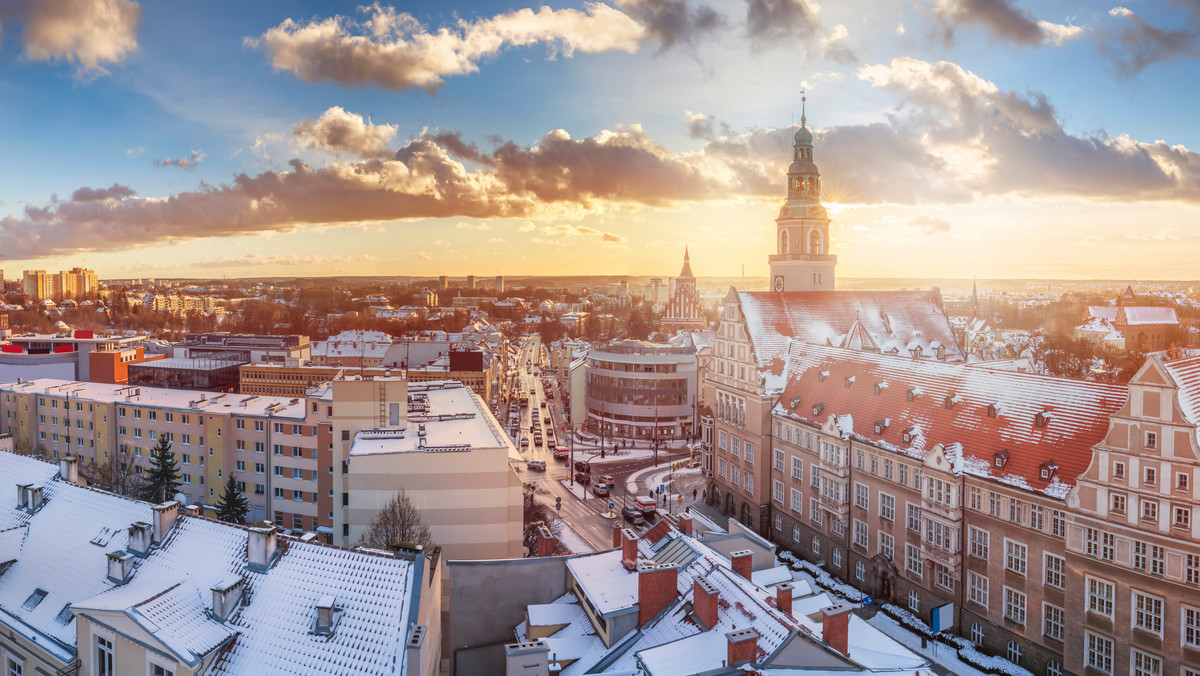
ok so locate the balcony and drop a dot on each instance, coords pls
(835, 469)
(834, 506)
(945, 511)
(951, 560)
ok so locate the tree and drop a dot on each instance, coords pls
(162, 481)
(233, 506)
(399, 521)
(550, 330)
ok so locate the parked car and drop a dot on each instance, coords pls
(539, 465)
(600, 489)
(633, 515)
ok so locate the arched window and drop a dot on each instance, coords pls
(783, 242)
(814, 242)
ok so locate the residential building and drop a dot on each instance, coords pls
(181, 303)
(642, 390)
(58, 356)
(470, 281)
(73, 283)
(499, 284)
(97, 584)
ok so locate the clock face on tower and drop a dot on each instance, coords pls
(779, 283)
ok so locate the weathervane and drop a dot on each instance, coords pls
(803, 98)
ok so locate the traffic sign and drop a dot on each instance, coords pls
(866, 601)
(611, 506)
(681, 500)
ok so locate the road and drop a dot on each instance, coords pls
(583, 516)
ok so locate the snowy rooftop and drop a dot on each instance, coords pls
(65, 556)
(158, 397)
(456, 417)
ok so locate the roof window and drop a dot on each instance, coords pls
(1000, 459)
(849, 381)
(913, 393)
(34, 599)
(65, 615)
(817, 408)
(1047, 469)
(882, 425)
(881, 386)
(822, 376)
(1042, 419)
(951, 401)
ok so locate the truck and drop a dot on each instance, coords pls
(561, 453)
(647, 504)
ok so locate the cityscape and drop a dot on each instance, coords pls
(631, 337)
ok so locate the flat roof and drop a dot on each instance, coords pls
(457, 420)
(159, 397)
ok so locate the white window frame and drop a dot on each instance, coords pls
(95, 632)
(152, 662)
(1134, 612)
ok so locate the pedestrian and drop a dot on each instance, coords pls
(693, 495)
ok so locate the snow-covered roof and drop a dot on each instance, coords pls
(1186, 374)
(159, 397)
(456, 416)
(169, 596)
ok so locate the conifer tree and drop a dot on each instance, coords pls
(162, 481)
(233, 506)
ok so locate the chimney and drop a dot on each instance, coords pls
(406, 550)
(685, 524)
(616, 535)
(658, 585)
(68, 469)
(23, 495)
(742, 647)
(227, 596)
(835, 627)
(120, 566)
(741, 561)
(141, 535)
(164, 519)
(545, 541)
(531, 658)
(261, 544)
(705, 602)
(629, 549)
(414, 650)
(327, 615)
(783, 597)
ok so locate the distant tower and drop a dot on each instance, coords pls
(499, 283)
(803, 261)
(443, 283)
(470, 281)
(684, 312)
(974, 300)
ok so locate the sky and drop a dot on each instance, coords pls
(997, 138)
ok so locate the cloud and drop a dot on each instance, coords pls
(134, 152)
(673, 22)
(87, 33)
(115, 192)
(257, 260)
(338, 131)
(930, 224)
(560, 231)
(780, 20)
(393, 50)
(463, 225)
(1132, 45)
(190, 162)
(423, 255)
(526, 227)
(1003, 20)
(833, 46)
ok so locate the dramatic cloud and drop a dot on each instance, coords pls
(833, 46)
(116, 191)
(338, 131)
(1003, 20)
(1134, 45)
(190, 162)
(256, 260)
(394, 50)
(772, 20)
(673, 22)
(88, 33)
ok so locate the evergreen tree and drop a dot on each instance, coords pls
(162, 481)
(233, 506)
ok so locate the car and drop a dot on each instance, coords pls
(608, 480)
(583, 479)
(600, 489)
(539, 465)
(524, 442)
(581, 466)
(633, 515)
(543, 404)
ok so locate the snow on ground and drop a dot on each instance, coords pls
(578, 489)
(945, 656)
(569, 538)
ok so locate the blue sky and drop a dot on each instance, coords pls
(1003, 138)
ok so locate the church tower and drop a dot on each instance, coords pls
(802, 261)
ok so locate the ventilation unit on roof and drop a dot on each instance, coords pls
(1000, 459)
(1047, 469)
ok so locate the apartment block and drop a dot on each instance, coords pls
(73, 283)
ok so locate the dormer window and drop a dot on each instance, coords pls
(1000, 459)
(913, 393)
(941, 352)
(795, 402)
(849, 381)
(881, 425)
(910, 434)
(822, 376)
(1046, 470)
(881, 386)
(951, 401)
(817, 408)
(1041, 419)
(993, 410)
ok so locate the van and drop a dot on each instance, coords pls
(647, 504)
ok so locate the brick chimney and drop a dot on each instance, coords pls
(685, 524)
(740, 561)
(68, 469)
(164, 519)
(835, 627)
(545, 541)
(629, 549)
(616, 535)
(705, 602)
(658, 584)
(743, 646)
(783, 597)
(261, 544)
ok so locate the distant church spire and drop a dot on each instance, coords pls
(687, 265)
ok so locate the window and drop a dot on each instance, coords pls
(795, 533)
(779, 460)
(1181, 481)
(1108, 546)
(104, 657)
(837, 558)
(1052, 621)
(259, 468)
(1147, 613)
(887, 545)
(1099, 653)
(914, 601)
(239, 424)
(1014, 556)
(1181, 517)
(721, 467)
(1192, 569)
(797, 469)
(258, 426)
(1190, 634)
(1151, 440)
(860, 534)
(914, 517)
(13, 667)
(797, 502)
(1149, 510)
(1054, 567)
(1150, 476)
(977, 633)
(1014, 605)
(1100, 597)
(815, 477)
(993, 504)
(1118, 469)
(860, 571)
(887, 507)
(912, 560)
(902, 477)
(1116, 503)
(777, 490)
(974, 498)
(735, 475)
(862, 496)
(814, 511)
(749, 483)
(159, 670)
(241, 465)
(1058, 523)
(977, 588)
(979, 542)
(778, 522)
(748, 453)
(1145, 664)
(1014, 652)
(1016, 511)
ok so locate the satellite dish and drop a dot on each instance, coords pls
(181, 498)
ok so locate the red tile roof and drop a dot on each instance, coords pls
(896, 321)
(1076, 411)
(1186, 374)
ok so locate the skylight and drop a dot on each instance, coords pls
(65, 615)
(34, 599)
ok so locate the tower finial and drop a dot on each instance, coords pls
(803, 98)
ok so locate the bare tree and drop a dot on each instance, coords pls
(399, 521)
